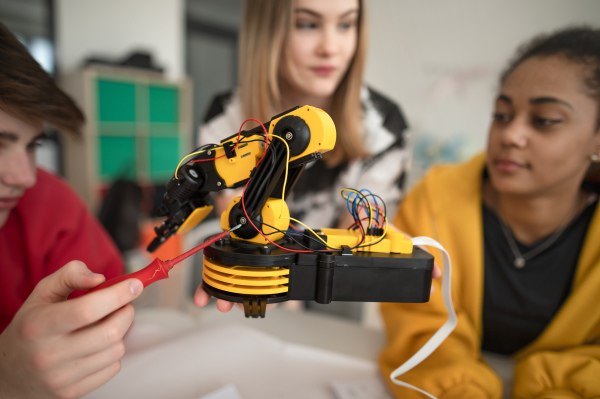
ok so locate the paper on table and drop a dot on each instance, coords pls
(227, 392)
(360, 389)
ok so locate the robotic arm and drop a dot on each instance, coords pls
(260, 262)
(295, 138)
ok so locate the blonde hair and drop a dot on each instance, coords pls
(265, 28)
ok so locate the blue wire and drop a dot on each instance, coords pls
(354, 206)
(348, 203)
(374, 200)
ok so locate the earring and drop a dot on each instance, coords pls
(595, 157)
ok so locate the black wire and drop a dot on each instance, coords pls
(364, 198)
(356, 218)
(375, 196)
(383, 217)
(355, 206)
(287, 234)
(261, 185)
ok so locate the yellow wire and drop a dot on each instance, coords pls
(379, 239)
(189, 155)
(287, 164)
(309, 229)
(360, 196)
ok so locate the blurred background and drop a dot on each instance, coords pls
(144, 71)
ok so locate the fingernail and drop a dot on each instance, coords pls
(136, 287)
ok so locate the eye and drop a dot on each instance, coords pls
(543, 122)
(31, 147)
(306, 25)
(347, 25)
(501, 117)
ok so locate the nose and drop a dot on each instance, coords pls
(328, 43)
(515, 133)
(19, 170)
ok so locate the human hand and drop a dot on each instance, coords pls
(437, 273)
(201, 299)
(55, 348)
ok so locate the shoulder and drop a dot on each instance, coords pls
(393, 118)
(384, 126)
(51, 190)
(453, 182)
(59, 225)
(51, 202)
(465, 171)
(223, 118)
(218, 105)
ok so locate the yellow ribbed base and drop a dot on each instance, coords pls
(246, 280)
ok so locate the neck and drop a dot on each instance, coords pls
(291, 98)
(531, 218)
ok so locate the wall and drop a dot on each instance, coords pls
(441, 60)
(114, 28)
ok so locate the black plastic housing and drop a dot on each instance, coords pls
(328, 276)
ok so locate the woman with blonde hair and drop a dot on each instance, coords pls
(312, 52)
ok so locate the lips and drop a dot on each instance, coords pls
(8, 202)
(324, 70)
(508, 165)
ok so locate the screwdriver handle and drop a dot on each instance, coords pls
(155, 271)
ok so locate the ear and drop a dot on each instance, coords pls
(597, 143)
(595, 148)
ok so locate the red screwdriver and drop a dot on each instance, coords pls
(159, 269)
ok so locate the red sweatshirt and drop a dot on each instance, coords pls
(49, 227)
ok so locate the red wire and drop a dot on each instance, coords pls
(246, 213)
(294, 227)
(174, 261)
(355, 224)
(366, 218)
(216, 238)
(260, 231)
(204, 160)
(242, 199)
(238, 141)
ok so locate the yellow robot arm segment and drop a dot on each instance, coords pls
(275, 218)
(322, 130)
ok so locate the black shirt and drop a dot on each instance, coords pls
(518, 304)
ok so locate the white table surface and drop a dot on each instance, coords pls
(172, 354)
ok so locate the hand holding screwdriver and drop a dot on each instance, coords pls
(158, 269)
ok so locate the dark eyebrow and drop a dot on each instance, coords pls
(543, 100)
(504, 98)
(8, 136)
(536, 101)
(311, 12)
(316, 14)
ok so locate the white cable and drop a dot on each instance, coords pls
(443, 332)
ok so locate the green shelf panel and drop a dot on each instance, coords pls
(164, 104)
(117, 157)
(163, 130)
(164, 157)
(116, 101)
(117, 129)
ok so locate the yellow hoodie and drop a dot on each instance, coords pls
(563, 362)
